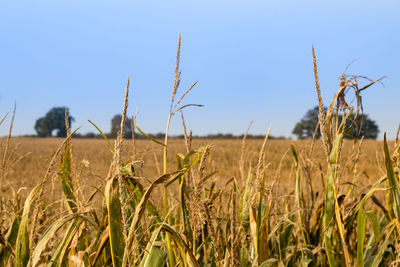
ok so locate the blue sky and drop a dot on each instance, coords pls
(252, 60)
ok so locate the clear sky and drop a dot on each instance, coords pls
(252, 60)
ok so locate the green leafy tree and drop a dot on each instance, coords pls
(369, 129)
(355, 128)
(41, 127)
(305, 128)
(116, 126)
(53, 120)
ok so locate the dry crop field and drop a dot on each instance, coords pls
(92, 158)
(328, 202)
(361, 165)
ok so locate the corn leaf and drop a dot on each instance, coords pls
(66, 179)
(10, 239)
(140, 209)
(104, 136)
(50, 233)
(60, 253)
(117, 240)
(378, 258)
(153, 256)
(361, 221)
(182, 246)
(22, 250)
(394, 186)
(299, 197)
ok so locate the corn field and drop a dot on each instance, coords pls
(243, 221)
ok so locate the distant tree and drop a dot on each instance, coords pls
(42, 128)
(116, 126)
(159, 136)
(369, 129)
(90, 135)
(53, 120)
(305, 128)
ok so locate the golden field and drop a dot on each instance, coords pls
(93, 156)
(267, 175)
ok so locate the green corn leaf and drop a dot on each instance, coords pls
(375, 225)
(22, 250)
(50, 233)
(378, 258)
(261, 224)
(66, 179)
(104, 136)
(200, 247)
(101, 244)
(305, 262)
(117, 240)
(394, 186)
(149, 206)
(285, 235)
(270, 262)
(361, 221)
(328, 220)
(10, 239)
(185, 212)
(299, 197)
(140, 209)
(332, 209)
(146, 135)
(60, 254)
(153, 256)
(373, 190)
(183, 249)
(156, 258)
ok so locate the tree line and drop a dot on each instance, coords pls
(53, 124)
